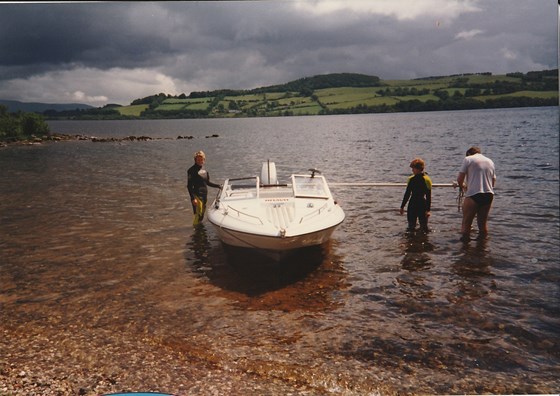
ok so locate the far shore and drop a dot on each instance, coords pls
(60, 137)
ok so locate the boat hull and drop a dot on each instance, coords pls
(273, 243)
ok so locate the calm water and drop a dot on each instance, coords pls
(96, 244)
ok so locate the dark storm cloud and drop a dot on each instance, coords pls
(123, 50)
(62, 35)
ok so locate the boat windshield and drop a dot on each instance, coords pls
(307, 186)
(244, 188)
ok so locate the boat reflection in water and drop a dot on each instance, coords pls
(304, 280)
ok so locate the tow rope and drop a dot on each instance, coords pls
(367, 184)
(459, 198)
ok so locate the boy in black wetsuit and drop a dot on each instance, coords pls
(419, 190)
(197, 180)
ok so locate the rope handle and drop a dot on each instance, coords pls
(460, 196)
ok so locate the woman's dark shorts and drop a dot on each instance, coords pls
(483, 199)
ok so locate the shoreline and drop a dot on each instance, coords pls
(61, 137)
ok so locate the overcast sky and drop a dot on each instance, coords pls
(115, 52)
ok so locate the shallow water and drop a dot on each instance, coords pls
(103, 276)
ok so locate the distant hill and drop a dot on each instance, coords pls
(336, 93)
(350, 93)
(302, 85)
(333, 80)
(35, 107)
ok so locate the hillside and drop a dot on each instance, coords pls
(35, 107)
(345, 93)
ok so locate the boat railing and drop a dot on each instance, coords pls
(240, 214)
(314, 213)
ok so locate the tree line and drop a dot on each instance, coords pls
(453, 102)
(21, 126)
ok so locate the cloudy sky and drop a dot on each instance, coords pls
(115, 52)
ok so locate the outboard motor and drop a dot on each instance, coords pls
(268, 173)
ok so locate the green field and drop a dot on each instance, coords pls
(309, 109)
(171, 104)
(134, 110)
(518, 94)
(182, 104)
(171, 107)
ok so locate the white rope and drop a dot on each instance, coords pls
(365, 184)
(459, 198)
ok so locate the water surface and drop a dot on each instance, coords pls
(103, 276)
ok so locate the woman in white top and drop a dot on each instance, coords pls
(480, 175)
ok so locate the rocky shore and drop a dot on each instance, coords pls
(80, 360)
(59, 137)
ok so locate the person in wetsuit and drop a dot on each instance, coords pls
(197, 181)
(480, 174)
(419, 191)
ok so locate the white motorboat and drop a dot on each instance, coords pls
(261, 213)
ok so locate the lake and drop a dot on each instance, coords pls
(106, 287)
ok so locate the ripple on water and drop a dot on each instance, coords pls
(100, 264)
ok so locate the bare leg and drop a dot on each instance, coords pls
(482, 219)
(469, 212)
